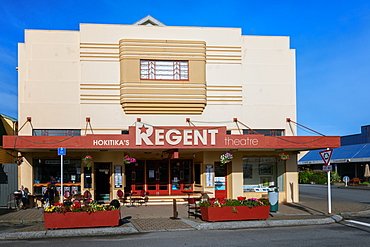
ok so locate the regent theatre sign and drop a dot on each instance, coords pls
(179, 137)
(152, 137)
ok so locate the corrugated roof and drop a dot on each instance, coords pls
(354, 153)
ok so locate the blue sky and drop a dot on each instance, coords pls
(331, 38)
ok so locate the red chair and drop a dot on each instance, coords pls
(142, 199)
(87, 197)
(193, 207)
(67, 197)
(121, 197)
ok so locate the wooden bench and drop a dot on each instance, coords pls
(354, 181)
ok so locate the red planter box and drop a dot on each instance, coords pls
(81, 219)
(234, 213)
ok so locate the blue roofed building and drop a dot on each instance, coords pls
(348, 160)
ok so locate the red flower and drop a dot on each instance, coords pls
(222, 201)
(76, 205)
(212, 200)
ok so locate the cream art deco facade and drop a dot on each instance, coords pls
(173, 98)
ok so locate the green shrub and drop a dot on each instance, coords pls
(334, 177)
(317, 177)
(305, 177)
(320, 177)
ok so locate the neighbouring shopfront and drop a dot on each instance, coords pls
(48, 171)
(348, 160)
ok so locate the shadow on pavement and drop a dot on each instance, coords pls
(4, 211)
(303, 208)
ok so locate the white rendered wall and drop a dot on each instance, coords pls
(49, 75)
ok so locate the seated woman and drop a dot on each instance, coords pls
(22, 196)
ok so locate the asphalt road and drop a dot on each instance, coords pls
(338, 234)
(337, 194)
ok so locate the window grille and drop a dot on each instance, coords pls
(263, 132)
(49, 132)
(164, 70)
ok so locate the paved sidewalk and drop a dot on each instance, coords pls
(26, 224)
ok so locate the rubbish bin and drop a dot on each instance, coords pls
(273, 196)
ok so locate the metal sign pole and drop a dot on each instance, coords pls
(326, 156)
(61, 179)
(329, 192)
(61, 152)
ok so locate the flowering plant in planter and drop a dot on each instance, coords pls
(218, 202)
(219, 209)
(284, 156)
(226, 158)
(77, 207)
(87, 160)
(128, 160)
(77, 215)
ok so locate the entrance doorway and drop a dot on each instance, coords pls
(135, 176)
(221, 180)
(102, 182)
(181, 176)
(157, 177)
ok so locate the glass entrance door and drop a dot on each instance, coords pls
(221, 180)
(135, 176)
(102, 182)
(157, 177)
(181, 176)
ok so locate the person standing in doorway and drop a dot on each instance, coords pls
(48, 198)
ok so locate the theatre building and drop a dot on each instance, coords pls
(154, 107)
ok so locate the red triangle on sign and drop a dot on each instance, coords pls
(326, 155)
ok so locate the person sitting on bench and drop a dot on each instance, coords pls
(23, 197)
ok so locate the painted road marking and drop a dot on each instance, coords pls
(358, 222)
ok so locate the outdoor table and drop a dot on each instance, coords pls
(131, 193)
(205, 194)
(188, 192)
(36, 197)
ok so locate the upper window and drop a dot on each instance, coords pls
(56, 132)
(164, 70)
(263, 132)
